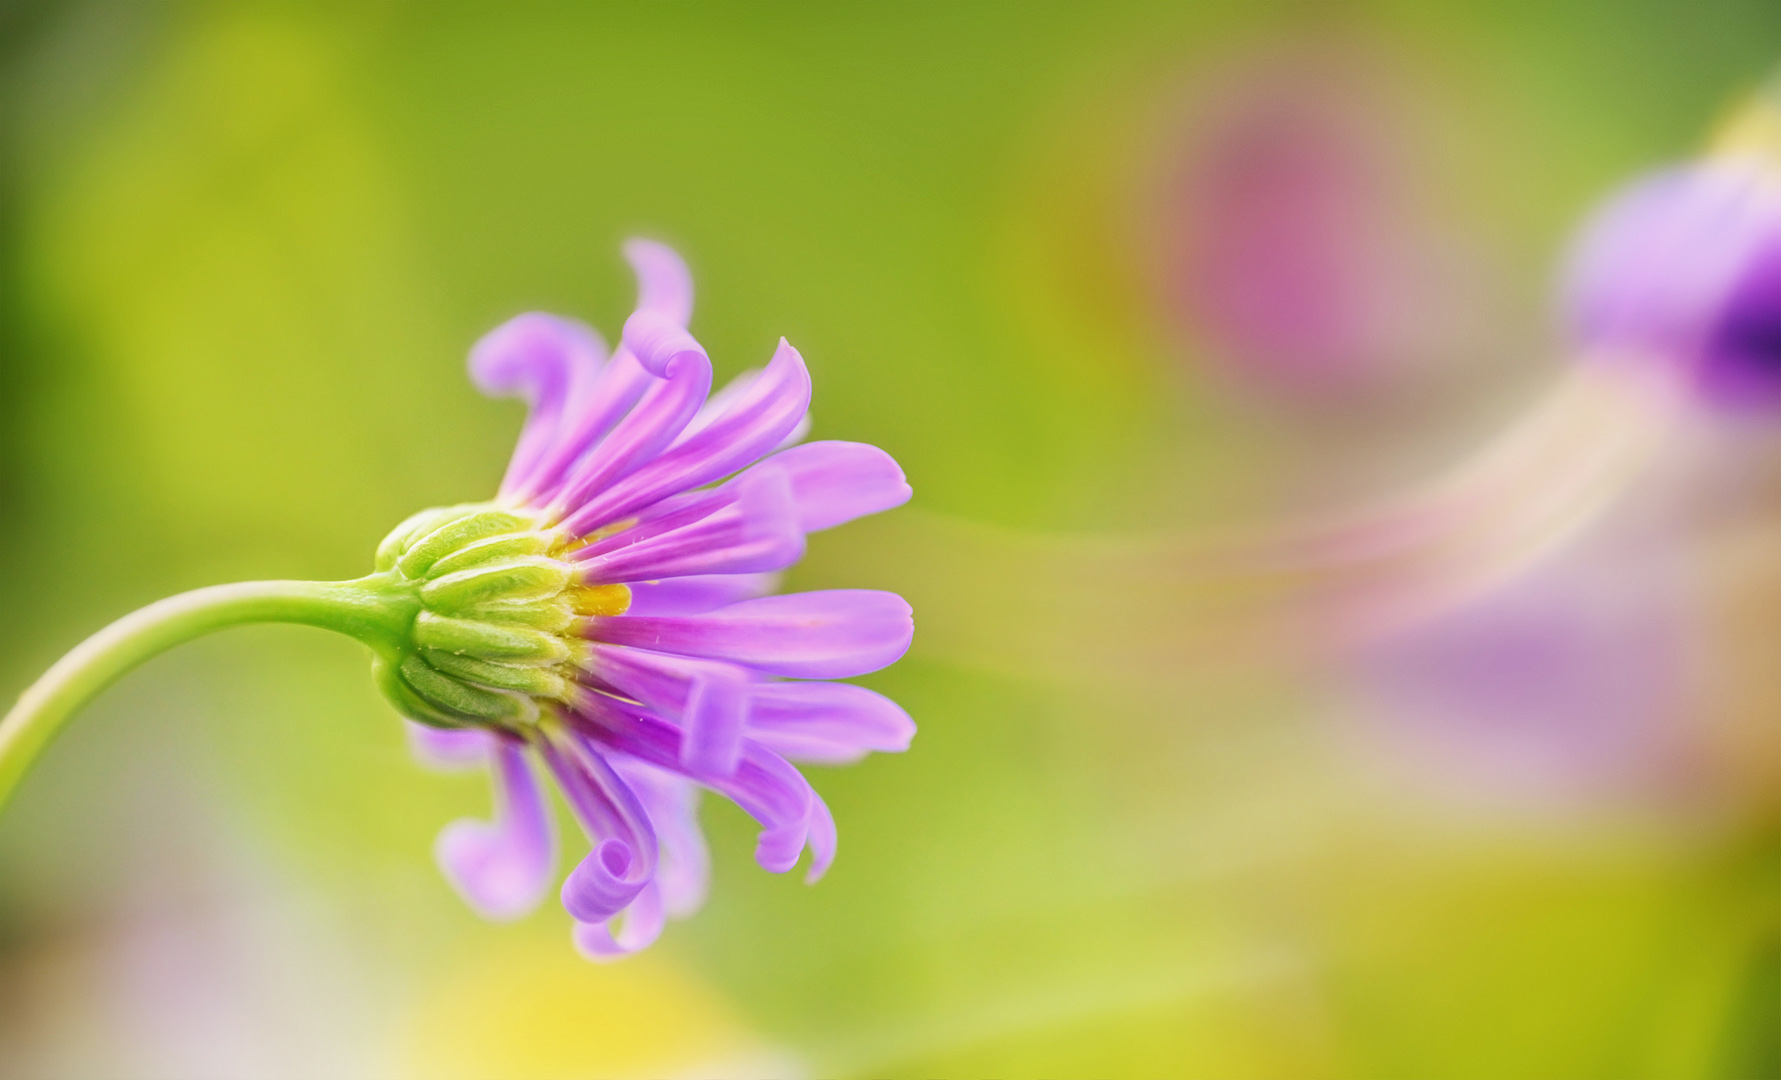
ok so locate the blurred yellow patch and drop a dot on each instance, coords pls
(532, 1008)
(1751, 128)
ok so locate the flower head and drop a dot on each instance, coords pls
(606, 617)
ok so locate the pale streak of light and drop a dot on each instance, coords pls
(1072, 606)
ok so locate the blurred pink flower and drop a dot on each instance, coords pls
(1295, 240)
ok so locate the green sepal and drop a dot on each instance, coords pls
(457, 533)
(409, 703)
(461, 699)
(536, 681)
(530, 578)
(415, 525)
(495, 547)
(481, 626)
(552, 616)
(488, 641)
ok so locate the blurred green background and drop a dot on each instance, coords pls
(243, 251)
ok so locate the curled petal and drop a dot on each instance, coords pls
(604, 882)
(596, 405)
(540, 358)
(831, 723)
(687, 508)
(503, 870)
(660, 344)
(672, 803)
(624, 857)
(532, 356)
(663, 282)
(816, 635)
(638, 927)
(775, 794)
(766, 786)
(752, 426)
(692, 595)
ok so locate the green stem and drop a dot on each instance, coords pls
(375, 609)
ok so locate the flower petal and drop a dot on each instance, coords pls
(663, 282)
(766, 786)
(756, 533)
(831, 483)
(448, 749)
(711, 743)
(774, 793)
(659, 680)
(825, 722)
(624, 857)
(691, 595)
(596, 405)
(814, 635)
(832, 723)
(638, 927)
(503, 870)
(657, 418)
(834, 482)
(799, 432)
(823, 839)
(672, 803)
(720, 402)
(538, 357)
(660, 343)
(755, 424)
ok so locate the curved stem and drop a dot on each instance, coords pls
(374, 609)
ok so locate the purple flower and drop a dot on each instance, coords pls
(606, 618)
(1567, 685)
(1684, 266)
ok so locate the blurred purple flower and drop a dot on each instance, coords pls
(615, 608)
(1567, 685)
(1684, 266)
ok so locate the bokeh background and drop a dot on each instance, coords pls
(1107, 279)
